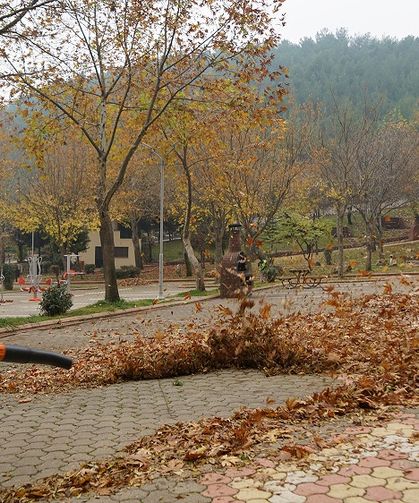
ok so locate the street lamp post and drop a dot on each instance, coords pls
(160, 295)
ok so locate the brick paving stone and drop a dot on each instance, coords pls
(391, 454)
(240, 472)
(299, 477)
(364, 481)
(400, 484)
(214, 478)
(310, 488)
(158, 496)
(381, 494)
(373, 462)
(348, 471)
(383, 472)
(215, 490)
(287, 497)
(329, 480)
(187, 487)
(412, 474)
(402, 464)
(322, 498)
(411, 496)
(252, 493)
(342, 491)
(357, 430)
(244, 483)
(267, 463)
(189, 498)
(224, 499)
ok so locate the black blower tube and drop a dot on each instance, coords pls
(18, 354)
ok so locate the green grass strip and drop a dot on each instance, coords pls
(99, 307)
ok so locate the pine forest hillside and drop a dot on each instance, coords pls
(344, 68)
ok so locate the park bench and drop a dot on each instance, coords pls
(301, 278)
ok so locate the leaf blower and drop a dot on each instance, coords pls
(18, 354)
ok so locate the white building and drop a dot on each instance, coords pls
(124, 248)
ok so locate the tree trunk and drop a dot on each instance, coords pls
(135, 236)
(149, 248)
(368, 262)
(188, 265)
(2, 249)
(63, 259)
(186, 238)
(349, 215)
(107, 244)
(339, 235)
(196, 266)
(218, 241)
(380, 239)
(369, 246)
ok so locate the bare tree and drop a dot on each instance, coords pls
(260, 163)
(341, 138)
(12, 12)
(384, 167)
(103, 64)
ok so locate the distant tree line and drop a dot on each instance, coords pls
(339, 67)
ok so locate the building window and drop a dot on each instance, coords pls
(98, 256)
(125, 233)
(120, 251)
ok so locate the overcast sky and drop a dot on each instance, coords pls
(379, 17)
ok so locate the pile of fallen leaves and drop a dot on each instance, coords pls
(371, 340)
(134, 281)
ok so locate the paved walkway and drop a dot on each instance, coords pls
(22, 306)
(149, 321)
(54, 433)
(377, 463)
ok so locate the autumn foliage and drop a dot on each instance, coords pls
(370, 340)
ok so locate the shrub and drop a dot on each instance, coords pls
(56, 300)
(89, 268)
(268, 270)
(9, 273)
(127, 271)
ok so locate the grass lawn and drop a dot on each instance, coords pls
(356, 258)
(357, 229)
(173, 251)
(197, 293)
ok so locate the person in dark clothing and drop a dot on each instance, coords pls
(241, 262)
